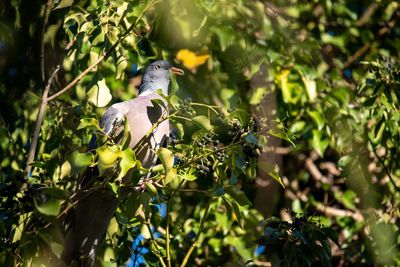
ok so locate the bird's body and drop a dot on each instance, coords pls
(141, 114)
(149, 130)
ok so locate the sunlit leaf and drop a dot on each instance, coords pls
(203, 122)
(89, 123)
(51, 207)
(107, 157)
(167, 158)
(99, 95)
(258, 95)
(127, 162)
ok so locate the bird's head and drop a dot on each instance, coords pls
(157, 76)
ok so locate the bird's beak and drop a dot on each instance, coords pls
(177, 71)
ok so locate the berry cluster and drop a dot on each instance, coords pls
(221, 156)
(186, 107)
(207, 140)
(204, 169)
(252, 151)
(235, 128)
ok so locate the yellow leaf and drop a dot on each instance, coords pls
(190, 60)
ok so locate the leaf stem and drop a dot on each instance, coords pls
(194, 244)
(206, 106)
(167, 235)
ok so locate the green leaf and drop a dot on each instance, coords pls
(64, 4)
(171, 175)
(152, 189)
(272, 170)
(226, 35)
(50, 208)
(79, 161)
(238, 214)
(317, 118)
(99, 94)
(319, 143)
(240, 246)
(174, 101)
(240, 114)
(179, 128)
(89, 123)
(189, 176)
(258, 96)
(238, 195)
(121, 67)
(311, 88)
(297, 127)
(107, 157)
(167, 158)
(203, 122)
(127, 162)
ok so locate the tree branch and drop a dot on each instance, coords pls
(39, 121)
(46, 15)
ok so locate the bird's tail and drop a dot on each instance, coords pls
(88, 221)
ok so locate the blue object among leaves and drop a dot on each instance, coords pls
(138, 250)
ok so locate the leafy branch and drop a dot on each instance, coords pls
(69, 86)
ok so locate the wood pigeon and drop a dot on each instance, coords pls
(88, 222)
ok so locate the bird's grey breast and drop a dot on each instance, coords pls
(143, 115)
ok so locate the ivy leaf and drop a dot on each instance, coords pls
(258, 95)
(317, 118)
(107, 157)
(99, 95)
(167, 158)
(238, 195)
(319, 143)
(89, 123)
(272, 170)
(64, 4)
(226, 35)
(311, 88)
(79, 161)
(203, 122)
(174, 101)
(50, 208)
(171, 175)
(121, 67)
(128, 161)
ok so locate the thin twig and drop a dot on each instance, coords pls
(167, 235)
(194, 244)
(382, 162)
(328, 211)
(39, 121)
(211, 153)
(155, 244)
(46, 15)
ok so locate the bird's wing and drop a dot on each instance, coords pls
(111, 120)
(110, 123)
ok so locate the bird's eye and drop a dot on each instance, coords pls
(158, 67)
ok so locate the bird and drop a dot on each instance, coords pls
(87, 223)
